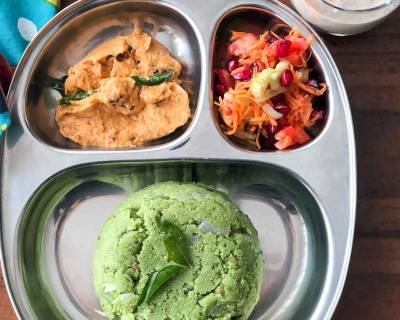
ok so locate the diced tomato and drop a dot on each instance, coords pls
(289, 136)
(294, 59)
(301, 136)
(284, 143)
(243, 44)
(296, 51)
(224, 78)
(299, 44)
(272, 49)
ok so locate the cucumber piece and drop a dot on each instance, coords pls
(272, 93)
(275, 80)
(258, 88)
(265, 74)
(282, 66)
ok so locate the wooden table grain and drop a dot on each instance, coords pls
(370, 66)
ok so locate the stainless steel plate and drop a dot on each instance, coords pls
(55, 196)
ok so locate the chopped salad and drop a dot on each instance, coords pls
(265, 93)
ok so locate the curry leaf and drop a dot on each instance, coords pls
(155, 79)
(174, 241)
(177, 251)
(66, 100)
(58, 84)
(157, 280)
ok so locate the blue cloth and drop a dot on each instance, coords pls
(20, 20)
(5, 120)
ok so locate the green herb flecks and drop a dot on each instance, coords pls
(66, 100)
(155, 79)
(157, 280)
(174, 241)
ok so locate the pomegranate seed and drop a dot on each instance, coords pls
(283, 122)
(311, 83)
(220, 89)
(232, 64)
(224, 78)
(258, 66)
(243, 73)
(286, 78)
(282, 50)
(281, 108)
(279, 98)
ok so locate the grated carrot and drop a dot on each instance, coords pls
(247, 116)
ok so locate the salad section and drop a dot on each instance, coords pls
(267, 92)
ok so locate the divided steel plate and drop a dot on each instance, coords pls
(55, 195)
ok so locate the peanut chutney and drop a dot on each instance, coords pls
(125, 93)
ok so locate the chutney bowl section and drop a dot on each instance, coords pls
(70, 37)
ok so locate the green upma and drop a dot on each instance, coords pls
(225, 274)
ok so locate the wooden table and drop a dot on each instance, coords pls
(370, 66)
